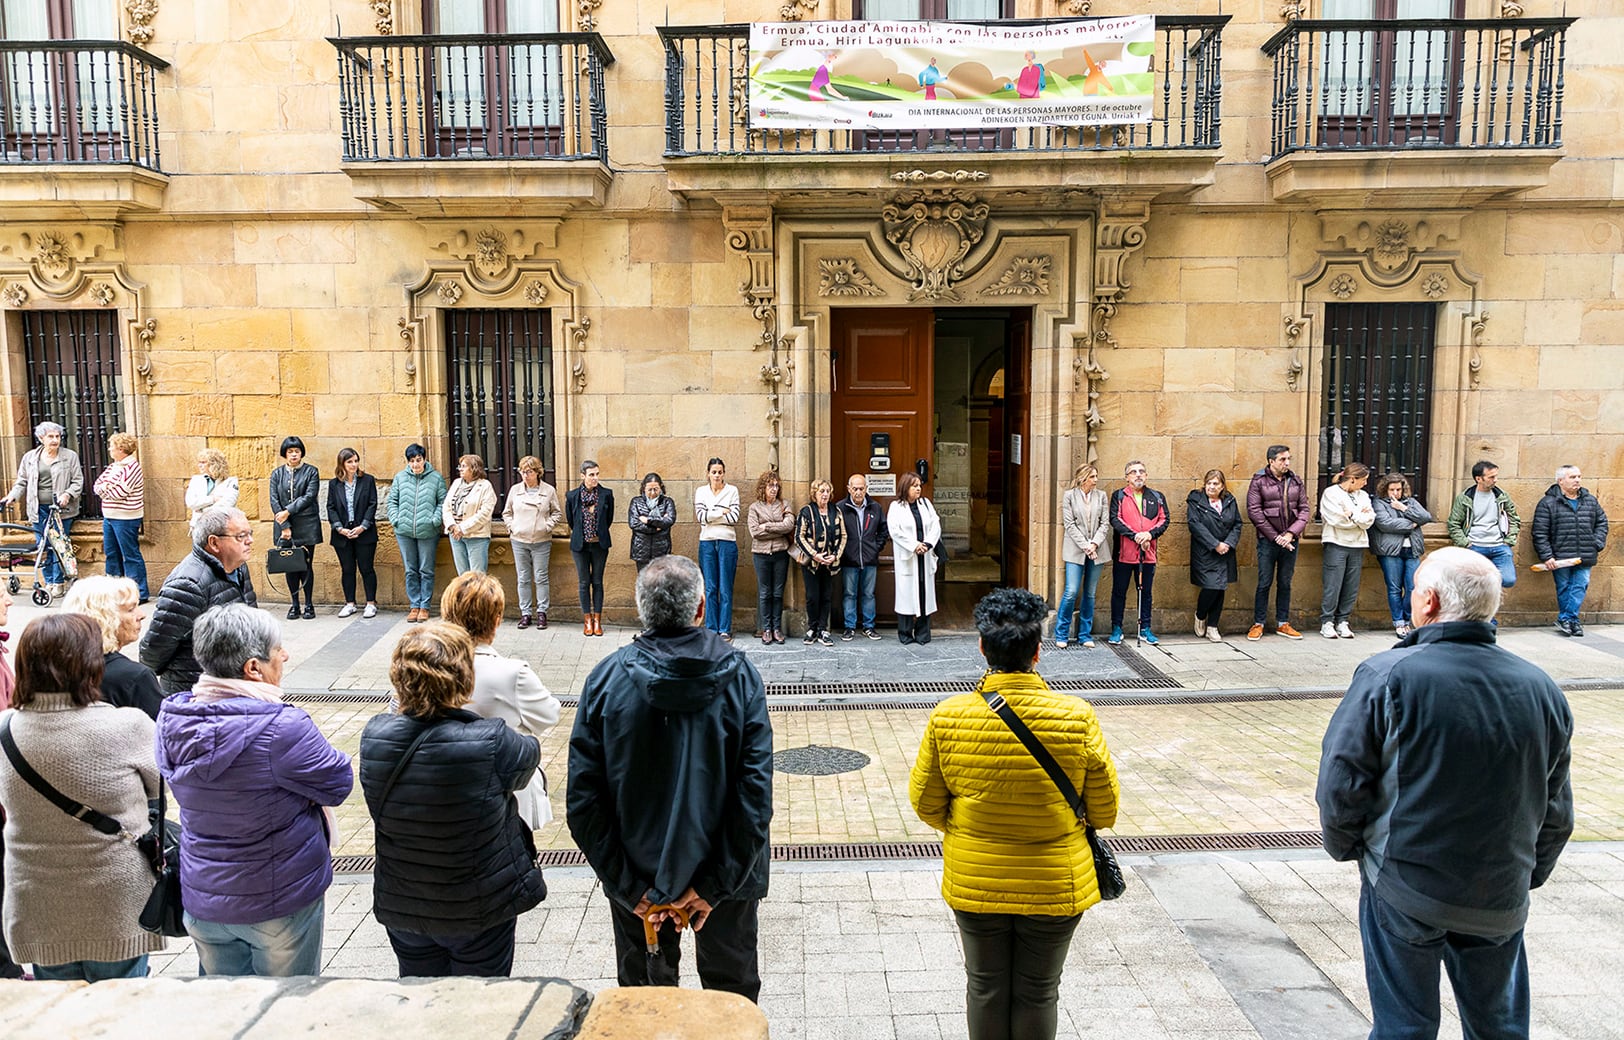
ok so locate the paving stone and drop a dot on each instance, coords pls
(531, 1009)
(190, 1009)
(672, 1014)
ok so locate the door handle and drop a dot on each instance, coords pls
(922, 467)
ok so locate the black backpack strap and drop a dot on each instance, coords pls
(411, 749)
(78, 810)
(1062, 782)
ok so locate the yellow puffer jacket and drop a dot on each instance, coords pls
(1010, 843)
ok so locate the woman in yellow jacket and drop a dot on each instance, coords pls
(1018, 873)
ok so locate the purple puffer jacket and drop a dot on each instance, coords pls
(250, 778)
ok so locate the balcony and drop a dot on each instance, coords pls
(712, 151)
(80, 125)
(1386, 111)
(475, 125)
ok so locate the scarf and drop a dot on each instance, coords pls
(211, 689)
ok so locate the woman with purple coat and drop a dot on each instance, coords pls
(254, 779)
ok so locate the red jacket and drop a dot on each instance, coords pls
(1127, 521)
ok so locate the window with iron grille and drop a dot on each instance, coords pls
(499, 369)
(73, 379)
(1378, 390)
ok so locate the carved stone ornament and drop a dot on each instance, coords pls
(1027, 276)
(141, 13)
(578, 333)
(15, 295)
(939, 176)
(1077, 8)
(1435, 285)
(933, 230)
(1390, 244)
(1392, 247)
(408, 333)
(384, 16)
(1294, 368)
(586, 18)
(449, 292)
(795, 10)
(1474, 363)
(1292, 10)
(1343, 286)
(146, 331)
(51, 255)
(1119, 233)
(842, 277)
(535, 292)
(1507, 43)
(102, 294)
(491, 257)
(750, 231)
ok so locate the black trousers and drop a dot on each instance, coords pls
(913, 628)
(1209, 604)
(307, 580)
(724, 950)
(489, 954)
(772, 569)
(1012, 964)
(589, 563)
(353, 556)
(1122, 584)
(820, 593)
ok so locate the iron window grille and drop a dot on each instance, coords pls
(1377, 400)
(500, 390)
(72, 359)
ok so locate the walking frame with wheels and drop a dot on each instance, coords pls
(55, 539)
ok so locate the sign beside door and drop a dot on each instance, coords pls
(882, 485)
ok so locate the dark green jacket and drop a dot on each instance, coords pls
(1460, 517)
(413, 503)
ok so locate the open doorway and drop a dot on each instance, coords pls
(942, 392)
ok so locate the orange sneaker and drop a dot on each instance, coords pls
(1289, 632)
(1255, 633)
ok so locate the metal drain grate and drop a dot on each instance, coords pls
(1244, 841)
(354, 864)
(818, 760)
(336, 696)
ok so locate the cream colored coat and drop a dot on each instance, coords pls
(899, 520)
(506, 689)
(477, 508)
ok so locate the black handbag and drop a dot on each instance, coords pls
(1107, 871)
(284, 559)
(162, 912)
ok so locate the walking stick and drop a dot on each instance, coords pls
(659, 973)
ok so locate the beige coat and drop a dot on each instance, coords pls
(476, 508)
(1087, 521)
(506, 689)
(532, 518)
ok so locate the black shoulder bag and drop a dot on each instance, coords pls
(1107, 871)
(162, 913)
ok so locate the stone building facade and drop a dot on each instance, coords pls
(701, 290)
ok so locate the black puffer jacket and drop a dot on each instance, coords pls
(1562, 532)
(671, 770)
(653, 538)
(1208, 570)
(453, 856)
(197, 583)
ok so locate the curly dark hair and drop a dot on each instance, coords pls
(768, 477)
(1011, 625)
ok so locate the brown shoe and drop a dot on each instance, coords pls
(597, 624)
(586, 624)
(541, 620)
(1255, 633)
(1289, 632)
(524, 620)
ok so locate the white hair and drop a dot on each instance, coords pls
(1467, 583)
(101, 598)
(1562, 471)
(49, 427)
(226, 638)
(213, 523)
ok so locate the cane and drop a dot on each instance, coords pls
(658, 973)
(1139, 597)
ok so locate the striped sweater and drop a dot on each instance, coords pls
(122, 490)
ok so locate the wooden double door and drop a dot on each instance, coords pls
(886, 420)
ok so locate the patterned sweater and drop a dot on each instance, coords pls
(122, 490)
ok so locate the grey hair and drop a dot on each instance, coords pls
(213, 523)
(1562, 471)
(226, 638)
(669, 592)
(49, 427)
(1467, 583)
(588, 464)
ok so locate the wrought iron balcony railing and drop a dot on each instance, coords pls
(535, 96)
(1418, 83)
(79, 101)
(707, 108)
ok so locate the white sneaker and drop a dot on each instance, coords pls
(349, 608)
(1212, 634)
(370, 611)
(1328, 630)
(1343, 631)
(1200, 627)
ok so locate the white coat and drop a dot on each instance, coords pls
(899, 519)
(506, 689)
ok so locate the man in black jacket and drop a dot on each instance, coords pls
(1569, 524)
(670, 785)
(215, 573)
(860, 559)
(1445, 774)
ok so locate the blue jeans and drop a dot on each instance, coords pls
(278, 948)
(1084, 576)
(52, 572)
(1275, 566)
(93, 971)
(1489, 975)
(1400, 574)
(471, 554)
(860, 595)
(417, 556)
(1571, 585)
(122, 547)
(1502, 558)
(718, 559)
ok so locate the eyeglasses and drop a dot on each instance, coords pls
(245, 536)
